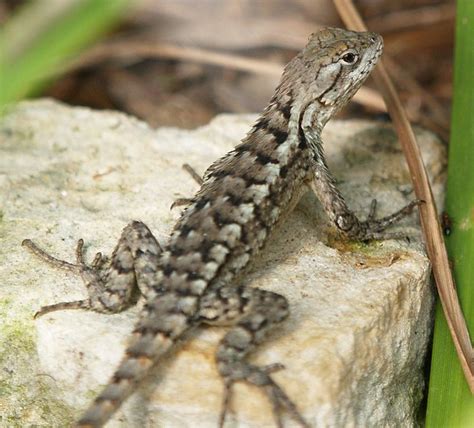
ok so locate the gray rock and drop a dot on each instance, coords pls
(361, 314)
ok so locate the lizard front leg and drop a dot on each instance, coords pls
(252, 313)
(111, 283)
(196, 177)
(324, 186)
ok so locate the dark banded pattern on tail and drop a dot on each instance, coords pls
(155, 333)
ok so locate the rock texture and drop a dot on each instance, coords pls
(353, 347)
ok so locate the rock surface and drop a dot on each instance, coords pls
(353, 347)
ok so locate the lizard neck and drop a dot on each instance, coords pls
(295, 117)
(312, 118)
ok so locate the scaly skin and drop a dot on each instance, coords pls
(193, 280)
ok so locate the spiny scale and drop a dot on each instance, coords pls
(195, 278)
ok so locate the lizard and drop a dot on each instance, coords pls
(197, 277)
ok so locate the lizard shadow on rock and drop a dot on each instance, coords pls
(369, 164)
(371, 155)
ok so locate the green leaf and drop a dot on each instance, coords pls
(26, 66)
(450, 403)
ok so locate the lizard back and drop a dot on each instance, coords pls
(243, 195)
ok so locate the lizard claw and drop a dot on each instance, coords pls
(53, 261)
(180, 202)
(79, 268)
(374, 229)
(260, 376)
(273, 368)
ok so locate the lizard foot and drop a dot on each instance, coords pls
(191, 171)
(112, 284)
(197, 178)
(91, 272)
(180, 202)
(80, 265)
(260, 377)
(374, 228)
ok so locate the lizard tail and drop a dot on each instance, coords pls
(154, 334)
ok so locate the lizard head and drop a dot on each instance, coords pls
(330, 69)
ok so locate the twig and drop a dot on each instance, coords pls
(428, 214)
(135, 50)
(129, 51)
(403, 19)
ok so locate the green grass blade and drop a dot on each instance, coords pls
(450, 403)
(25, 72)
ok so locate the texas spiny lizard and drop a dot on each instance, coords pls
(196, 278)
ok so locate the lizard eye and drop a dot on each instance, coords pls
(349, 58)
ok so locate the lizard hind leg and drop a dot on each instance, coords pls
(252, 312)
(111, 283)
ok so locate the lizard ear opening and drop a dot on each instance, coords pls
(349, 57)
